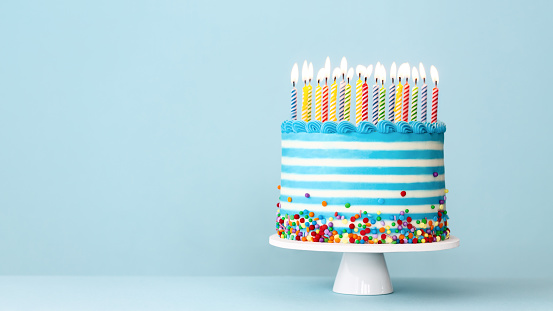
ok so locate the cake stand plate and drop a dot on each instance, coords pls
(363, 269)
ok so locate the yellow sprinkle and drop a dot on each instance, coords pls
(356, 230)
(389, 240)
(344, 221)
(441, 206)
(389, 232)
(423, 241)
(330, 218)
(446, 191)
(419, 232)
(378, 213)
(303, 226)
(388, 227)
(426, 235)
(438, 238)
(317, 231)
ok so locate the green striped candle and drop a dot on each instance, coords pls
(415, 99)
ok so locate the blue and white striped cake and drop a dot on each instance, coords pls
(342, 183)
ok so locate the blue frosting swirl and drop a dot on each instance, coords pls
(365, 127)
(314, 126)
(299, 126)
(386, 127)
(328, 127)
(345, 127)
(289, 128)
(283, 127)
(418, 127)
(440, 128)
(404, 127)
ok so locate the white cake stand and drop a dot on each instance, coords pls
(363, 269)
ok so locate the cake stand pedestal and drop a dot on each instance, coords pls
(363, 269)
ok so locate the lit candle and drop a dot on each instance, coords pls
(343, 69)
(304, 77)
(359, 93)
(406, 92)
(333, 94)
(347, 111)
(435, 78)
(382, 95)
(368, 73)
(424, 92)
(399, 93)
(325, 90)
(392, 100)
(294, 78)
(318, 95)
(310, 92)
(375, 93)
(415, 95)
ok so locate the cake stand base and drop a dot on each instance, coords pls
(363, 269)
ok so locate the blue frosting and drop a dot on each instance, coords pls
(345, 127)
(328, 127)
(364, 127)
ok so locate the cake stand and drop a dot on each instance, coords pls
(363, 269)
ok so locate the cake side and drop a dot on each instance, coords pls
(353, 185)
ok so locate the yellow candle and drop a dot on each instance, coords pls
(304, 108)
(309, 100)
(358, 100)
(333, 94)
(318, 101)
(397, 108)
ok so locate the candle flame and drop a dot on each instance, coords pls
(405, 73)
(422, 71)
(377, 71)
(382, 74)
(321, 74)
(304, 71)
(360, 70)
(350, 73)
(415, 74)
(295, 73)
(327, 68)
(336, 73)
(434, 74)
(344, 66)
(369, 71)
(310, 71)
(393, 71)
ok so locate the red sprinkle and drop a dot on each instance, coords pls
(365, 220)
(311, 227)
(302, 220)
(409, 219)
(296, 216)
(403, 193)
(383, 236)
(352, 219)
(351, 240)
(351, 226)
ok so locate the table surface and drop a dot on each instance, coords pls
(265, 293)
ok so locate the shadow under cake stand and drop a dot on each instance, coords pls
(363, 269)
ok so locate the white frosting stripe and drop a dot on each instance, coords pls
(363, 162)
(363, 178)
(421, 145)
(370, 194)
(371, 209)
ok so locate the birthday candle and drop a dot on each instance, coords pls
(392, 100)
(304, 77)
(406, 92)
(318, 96)
(347, 111)
(415, 95)
(375, 93)
(382, 95)
(399, 93)
(424, 92)
(310, 92)
(359, 93)
(333, 93)
(366, 93)
(325, 90)
(343, 69)
(435, 78)
(293, 107)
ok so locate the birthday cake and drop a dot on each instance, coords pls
(363, 182)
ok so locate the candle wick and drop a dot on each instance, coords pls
(423, 80)
(293, 84)
(392, 80)
(436, 83)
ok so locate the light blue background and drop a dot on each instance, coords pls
(143, 138)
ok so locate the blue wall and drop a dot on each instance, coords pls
(143, 138)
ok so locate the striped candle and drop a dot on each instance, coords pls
(294, 107)
(304, 108)
(325, 103)
(309, 100)
(318, 100)
(392, 102)
(382, 108)
(406, 101)
(415, 95)
(434, 117)
(358, 100)
(342, 100)
(424, 91)
(375, 103)
(347, 110)
(332, 109)
(397, 109)
(365, 114)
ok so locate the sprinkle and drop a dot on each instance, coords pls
(432, 207)
(278, 204)
(344, 221)
(403, 193)
(442, 201)
(347, 205)
(307, 195)
(435, 174)
(378, 213)
(289, 199)
(380, 201)
(441, 206)
(324, 203)
(446, 191)
(278, 187)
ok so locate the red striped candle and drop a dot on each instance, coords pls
(406, 101)
(365, 101)
(325, 102)
(435, 91)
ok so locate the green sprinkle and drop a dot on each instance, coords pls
(348, 205)
(301, 212)
(407, 210)
(393, 224)
(359, 225)
(418, 221)
(432, 207)
(370, 238)
(356, 241)
(378, 218)
(364, 226)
